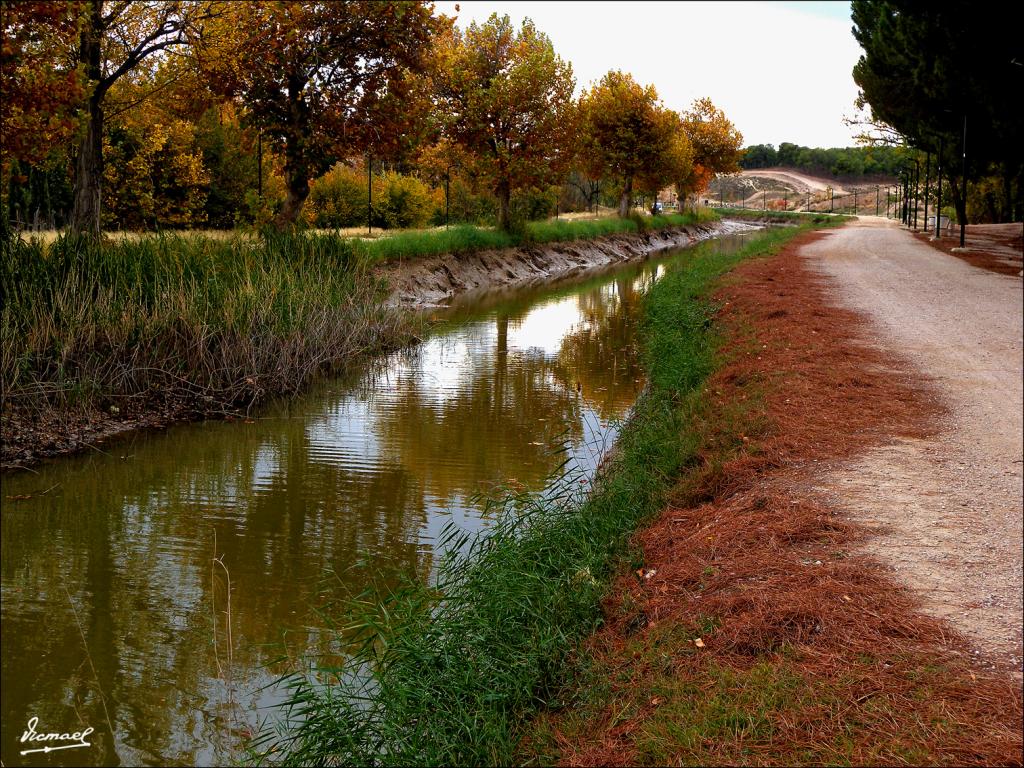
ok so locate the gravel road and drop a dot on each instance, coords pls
(945, 513)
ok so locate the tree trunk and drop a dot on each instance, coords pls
(296, 164)
(959, 200)
(85, 215)
(504, 193)
(626, 199)
(296, 194)
(1007, 203)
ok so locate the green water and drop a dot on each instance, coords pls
(114, 610)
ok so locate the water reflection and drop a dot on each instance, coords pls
(113, 609)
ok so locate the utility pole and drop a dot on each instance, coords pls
(938, 196)
(964, 175)
(831, 199)
(877, 190)
(927, 180)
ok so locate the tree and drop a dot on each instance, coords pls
(115, 38)
(507, 101)
(759, 156)
(41, 85)
(716, 146)
(929, 68)
(41, 90)
(626, 135)
(319, 78)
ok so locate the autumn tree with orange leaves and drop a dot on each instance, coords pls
(626, 134)
(42, 86)
(322, 80)
(506, 100)
(716, 147)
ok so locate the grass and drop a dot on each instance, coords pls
(459, 666)
(721, 713)
(224, 320)
(466, 238)
(784, 217)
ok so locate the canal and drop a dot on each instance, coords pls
(116, 563)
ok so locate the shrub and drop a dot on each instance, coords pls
(465, 205)
(337, 199)
(400, 201)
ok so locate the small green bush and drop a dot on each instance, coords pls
(400, 201)
(337, 199)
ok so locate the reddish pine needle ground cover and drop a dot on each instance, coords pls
(995, 247)
(752, 631)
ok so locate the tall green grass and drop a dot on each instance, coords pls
(466, 238)
(782, 217)
(214, 320)
(459, 665)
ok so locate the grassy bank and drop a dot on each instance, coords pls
(778, 217)
(209, 321)
(761, 631)
(462, 664)
(465, 238)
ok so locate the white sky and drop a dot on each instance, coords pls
(781, 71)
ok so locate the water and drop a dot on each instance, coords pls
(114, 610)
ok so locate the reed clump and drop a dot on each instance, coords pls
(212, 321)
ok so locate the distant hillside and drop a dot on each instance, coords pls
(847, 163)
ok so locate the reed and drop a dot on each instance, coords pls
(210, 321)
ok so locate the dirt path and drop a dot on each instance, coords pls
(945, 512)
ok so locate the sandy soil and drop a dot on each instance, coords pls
(798, 181)
(946, 511)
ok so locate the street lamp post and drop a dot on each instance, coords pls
(964, 177)
(938, 193)
(927, 179)
(917, 190)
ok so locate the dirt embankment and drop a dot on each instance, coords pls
(434, 280)
(995, 247)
